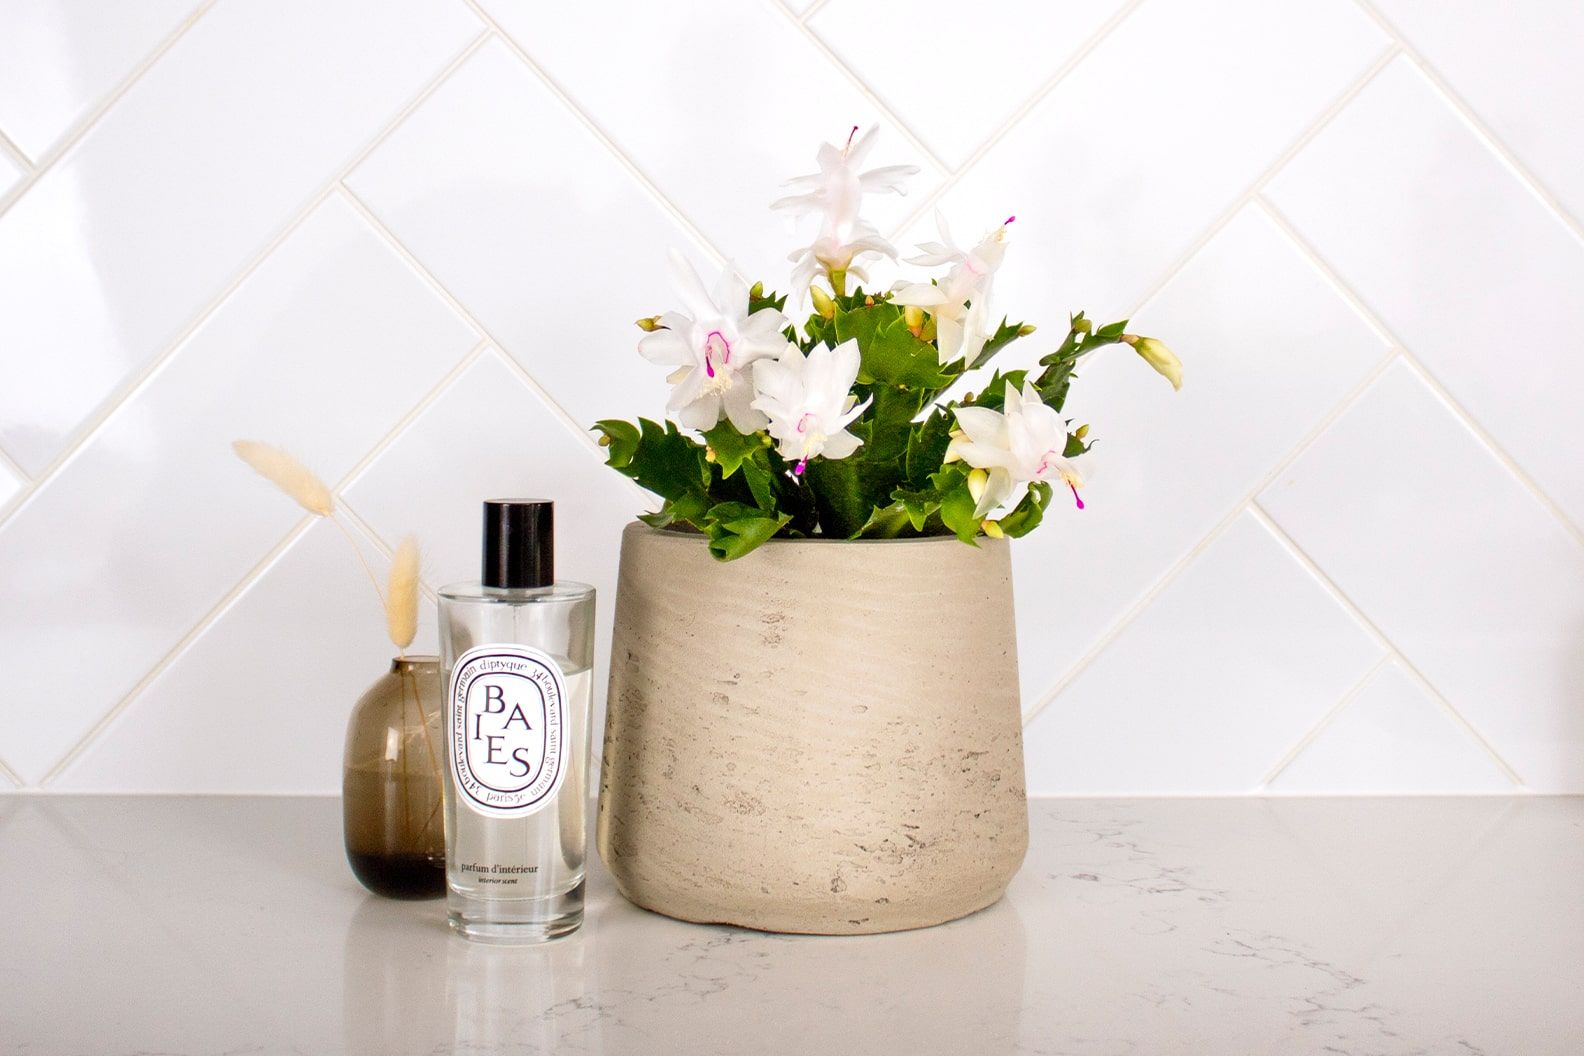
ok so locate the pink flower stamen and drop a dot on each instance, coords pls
(1074, 488)
(798, 469)
(850, 136)
(1008, 220)
(715, 345)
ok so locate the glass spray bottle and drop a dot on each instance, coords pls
(517, 650)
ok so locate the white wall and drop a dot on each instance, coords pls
(407, 238)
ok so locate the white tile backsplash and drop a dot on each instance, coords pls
(1481, 242)
(60, 58)
(153, 521)
(464, 185)
(1476, 582)
(1237, 658)
(1275, 351)
(1330, 562)
(716, 101)
(1532, 109)
(113, 251)
(1172, 117)
(1392, 737)
(955, 87)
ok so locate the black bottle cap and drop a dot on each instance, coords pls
(519, 542)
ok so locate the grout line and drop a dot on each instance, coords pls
(1001, 131)
(8, 147)
(1342, 599)
(811, 10)
(1123, 621)
(426, 401)
(649, 186)
(1456, 408)
(1477, 124)
(206, 621)
(886, 111)
(1325, 720)
(130, 386)
(1281, 161)
(461, 309)
(87, 121)
(210, 618)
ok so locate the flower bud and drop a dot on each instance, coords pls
(992, 529)
(913, 316)
(1083, 326)
(822, 303)
(1026, 329)
(604, 440)
(976, 483)
(1082, 431)
(1157, 355)
(709, 454)
(649, 324)
(756, 291)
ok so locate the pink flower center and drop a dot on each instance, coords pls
(716, 347)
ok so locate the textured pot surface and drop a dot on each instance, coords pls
(820, 737)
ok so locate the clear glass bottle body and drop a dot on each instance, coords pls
(516, 876)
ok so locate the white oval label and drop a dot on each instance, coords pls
(508, 717)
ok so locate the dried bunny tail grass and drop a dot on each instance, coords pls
(401, 595)
(287, 474)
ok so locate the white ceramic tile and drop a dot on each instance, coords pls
(107, 257)
(60, 58)
(1416, 215)
(1155, 134)
(489, 435)
(1517, 66)
(322, 350)
(285, 662)
(556, 260)
(1392, 737)
(955, 87)
(1470, 576)
(731, 100)
(1228, 667)
(1268, 349)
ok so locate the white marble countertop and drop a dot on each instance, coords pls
(214, 925)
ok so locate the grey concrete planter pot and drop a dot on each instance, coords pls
(821, 737)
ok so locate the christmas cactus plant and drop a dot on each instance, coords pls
(844, 428)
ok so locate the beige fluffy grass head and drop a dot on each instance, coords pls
(287, 474)
(401, 595)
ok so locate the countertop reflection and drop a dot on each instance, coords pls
(231, 925)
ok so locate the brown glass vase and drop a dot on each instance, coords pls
(391, 787)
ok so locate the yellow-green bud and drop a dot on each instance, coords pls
(913, 316)
(604, 440)
(1157, 355)
(1083, 326)
(756, 291)
(1082, 431)
(649, 324)
(1026, 329)
(822, 303)
(709, 454)
(976, 483)
(993, 529)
